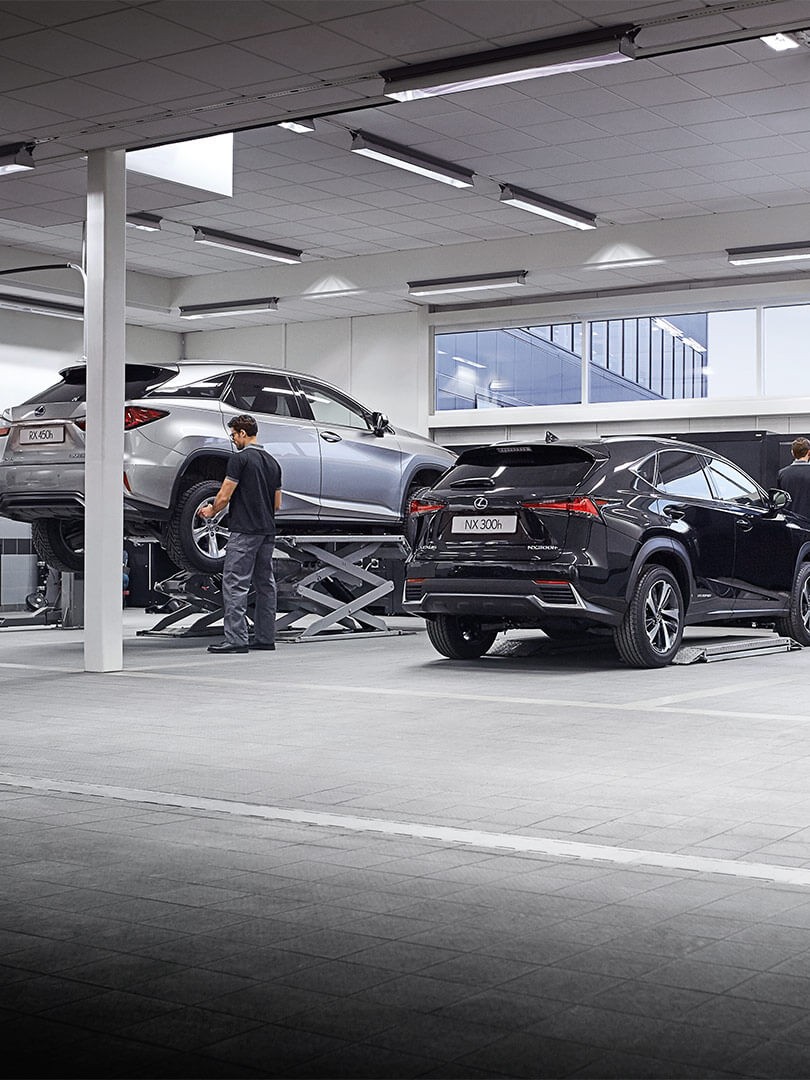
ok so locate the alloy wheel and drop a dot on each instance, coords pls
(661, 616)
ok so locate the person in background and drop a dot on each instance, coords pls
(252, 492)
(795, 478)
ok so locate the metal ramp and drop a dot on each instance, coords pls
(327, 585)
(708, 652)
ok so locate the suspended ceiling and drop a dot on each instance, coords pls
(679, 155)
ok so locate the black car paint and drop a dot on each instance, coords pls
(733, 561)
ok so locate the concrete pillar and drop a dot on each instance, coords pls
(104, 313)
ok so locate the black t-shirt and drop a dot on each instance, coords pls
(795, 478)
(258, 478)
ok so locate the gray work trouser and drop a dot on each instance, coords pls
(249, 559)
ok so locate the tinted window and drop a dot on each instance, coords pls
(329, 407)
(138, 380)
(255, 392)
(680, 473)
(542, 468)
(202, 388)
(646, 470)
(730, 483)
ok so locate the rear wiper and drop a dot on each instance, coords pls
(474, 481)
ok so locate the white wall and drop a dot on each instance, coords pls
(382, 360)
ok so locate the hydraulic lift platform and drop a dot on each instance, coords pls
(334, 579)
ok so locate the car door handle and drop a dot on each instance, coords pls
(330, 436)
(674, 512)
(745, 524)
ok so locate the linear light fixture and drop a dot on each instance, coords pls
(515, 63)
(471, 283)
(405, 158)
(35, 306)
(787, 40)
(244, 245)
(767, 253)
(230, 307)
(16, 157)
(550, 208)
(147, 222)
(300, 126)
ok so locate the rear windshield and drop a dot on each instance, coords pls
(544, 468)
(138, 378)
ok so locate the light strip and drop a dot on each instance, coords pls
(16, 157)
(146, 222)
(35, 306)
(516, 63)
(767, 253)
(472, 283)
(301, 127)
(246, 246)
(404, 158)
(667, 327)
(780, 42)
(550, 208)
(229, 307)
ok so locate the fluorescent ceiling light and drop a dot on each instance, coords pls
(230, 307)
(550, 208)
(404, 158)
(668, 327)
(302, 127)
(244, 245)
(36, 306)
(472, 283)
(472, 363)
(767, 253)
(516, 63)
(694, 345)
(16, 157)
(781, 42)
(144, 221)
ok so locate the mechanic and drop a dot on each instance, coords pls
(252, 491)
(795, 478)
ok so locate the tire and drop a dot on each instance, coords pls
(192, 542)
(796, 624)
(60, 543)
(651, 631)
(459, 638)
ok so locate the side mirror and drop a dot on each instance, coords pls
(778, 499)
(379, 424)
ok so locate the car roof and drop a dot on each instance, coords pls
(616, 447)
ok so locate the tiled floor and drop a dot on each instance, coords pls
(299, 864)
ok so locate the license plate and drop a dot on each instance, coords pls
(33, 436)
(485, 525)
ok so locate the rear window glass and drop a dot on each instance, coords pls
(138, 379)
(543, 468)
(203, 388)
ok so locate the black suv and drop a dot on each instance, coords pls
(640, 535)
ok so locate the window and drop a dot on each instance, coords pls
(786, 330)
(329, 407)
(547, 469)
(732, 484)
(681, 473)
(139, 379)
(256, 392)
(209, 389)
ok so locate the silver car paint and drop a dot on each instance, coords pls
(320, 463)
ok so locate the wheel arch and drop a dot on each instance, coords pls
(200, 465)
(662, 551)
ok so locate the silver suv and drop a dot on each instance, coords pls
(344, 466)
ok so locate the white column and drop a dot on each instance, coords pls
(106, 345)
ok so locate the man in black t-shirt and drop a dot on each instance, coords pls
(795, 478)
(252, 491)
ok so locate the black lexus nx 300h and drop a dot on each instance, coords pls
(638, 536)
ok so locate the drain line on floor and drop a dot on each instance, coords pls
(530, 845)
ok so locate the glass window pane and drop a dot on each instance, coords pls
(785, 370)
(681, 473)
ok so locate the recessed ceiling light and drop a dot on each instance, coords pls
(781, 42)
(302, 127)
(16, 157)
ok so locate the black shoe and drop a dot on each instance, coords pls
(227, 647)
(264, 646)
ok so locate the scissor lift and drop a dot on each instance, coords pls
(327, 586)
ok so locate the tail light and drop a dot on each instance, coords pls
(4, 431)
(418, 506)
(134, 417)
(578, 505)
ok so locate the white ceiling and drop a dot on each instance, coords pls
(679, 155)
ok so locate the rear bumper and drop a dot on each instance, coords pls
(520, 601)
